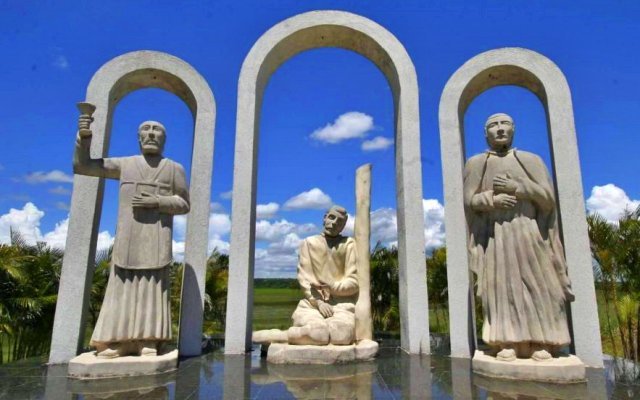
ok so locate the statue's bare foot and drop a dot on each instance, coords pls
(506, 355)
(149, 349)
(541, 355)
(109, 352)
(269, 336)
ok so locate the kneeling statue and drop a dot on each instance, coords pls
(327, 274)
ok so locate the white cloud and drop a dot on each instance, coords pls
(266, 211)
(27, 222)
(349, 226)
(349, 125)
(313, 199)
(216, 242)
(226, 195)
(434, 233)
(384, 225)
(219, 224)
(273, 231)
(61, 205)
(274, 265)
(610, 201)
(178, 251)
(219, 227)
(216, 207)
(60, 190)
(51, 176)
(60, 62)
(377, 143)
(279, 258)
(58, 237)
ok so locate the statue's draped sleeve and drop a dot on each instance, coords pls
(543, 194)
(305, 273)
(537, 186)
(475, 203)
(178, 203)
(83, 164)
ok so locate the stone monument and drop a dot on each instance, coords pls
(135, 318)
(332, 323)
(518, 259)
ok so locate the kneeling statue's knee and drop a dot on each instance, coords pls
(341, 332)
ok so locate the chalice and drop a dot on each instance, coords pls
(86, 109)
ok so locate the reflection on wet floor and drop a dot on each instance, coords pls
(393, 375)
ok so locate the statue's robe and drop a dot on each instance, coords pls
(516, 253)
(136, 303)
(332, 266)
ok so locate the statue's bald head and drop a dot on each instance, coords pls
(498, 116)
(499, 130)
(152, 136)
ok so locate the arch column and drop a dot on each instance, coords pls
(352, 32)
(535, 72)
(113, 81)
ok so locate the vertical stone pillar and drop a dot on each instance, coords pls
(364, 324)
(307, 31)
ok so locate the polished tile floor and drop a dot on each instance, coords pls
(394, 375)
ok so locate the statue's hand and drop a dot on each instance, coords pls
(325, 309)
(84, 124)
(504, 201)
(145, 200)
(505, 184)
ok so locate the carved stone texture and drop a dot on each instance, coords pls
(110, 84)
(328, 277)
(516, 253)
(534, 72)
(135, 317)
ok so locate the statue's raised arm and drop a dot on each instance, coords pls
(83, 164)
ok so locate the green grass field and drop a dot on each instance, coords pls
(272, 308)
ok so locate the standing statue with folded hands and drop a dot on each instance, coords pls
(515, 249)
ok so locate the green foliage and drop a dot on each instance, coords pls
(215, 307)
(615, 248)
(384, 288)
(437, 289)
(29, 278)
(280, 283)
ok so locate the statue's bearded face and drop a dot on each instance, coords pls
(499, 131)
(333, 223)
(151, 136)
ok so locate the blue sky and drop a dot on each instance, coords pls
(53, 48)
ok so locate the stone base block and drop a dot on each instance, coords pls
(282, 353)
(558, 370)
(88, 366)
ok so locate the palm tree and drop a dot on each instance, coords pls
(216, 291)
(384, 288)
(28, 294)
(437, 287)
(615, 247)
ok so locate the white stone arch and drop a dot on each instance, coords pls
(535, 72)
(113, 81)
(302, 32)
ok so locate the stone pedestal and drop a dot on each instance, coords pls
(557, 370)
(282, 353)
(88, 366)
